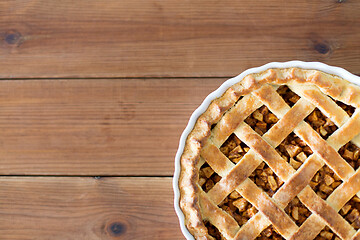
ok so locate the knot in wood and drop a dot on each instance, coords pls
(322, 48)
(117, 228)
(12, 37)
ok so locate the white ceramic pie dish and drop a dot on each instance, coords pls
(218, 92)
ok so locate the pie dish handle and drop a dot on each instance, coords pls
(218, 92)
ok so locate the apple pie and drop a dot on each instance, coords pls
(275, 157)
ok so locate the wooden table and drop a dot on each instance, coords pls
(95, 94)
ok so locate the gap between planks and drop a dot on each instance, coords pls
(116, 78)
(126, 78)
(91, 176)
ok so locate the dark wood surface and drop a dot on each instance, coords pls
(87, 208)
(105, 88)
(117, 127)
(137, 38)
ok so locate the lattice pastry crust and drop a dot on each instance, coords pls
(263, 164)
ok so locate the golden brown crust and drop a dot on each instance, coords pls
(228, 113)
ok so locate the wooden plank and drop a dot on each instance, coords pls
(95, 127)
(92, 38)
(87, 209)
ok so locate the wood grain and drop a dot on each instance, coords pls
(95, 127)
(42, 208)
(92, 38)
